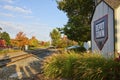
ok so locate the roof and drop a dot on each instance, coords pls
(113, 3)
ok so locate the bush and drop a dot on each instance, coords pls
(60, 65)
(85, 66)
(81, 49)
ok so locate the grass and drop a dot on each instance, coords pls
(84, 66)
(2, 51)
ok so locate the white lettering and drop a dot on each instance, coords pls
(99, 28)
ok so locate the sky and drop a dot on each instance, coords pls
(33, 17)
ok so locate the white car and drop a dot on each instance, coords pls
(73, 47)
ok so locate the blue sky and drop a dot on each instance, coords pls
(33, 17)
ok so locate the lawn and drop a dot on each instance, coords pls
(2, 51)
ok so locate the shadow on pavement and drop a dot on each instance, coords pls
(28, 71)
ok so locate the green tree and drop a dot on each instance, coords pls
(55, 36)
(65, 42)
(33, 42)
(79, 13)
(6, 37)
(0, 31)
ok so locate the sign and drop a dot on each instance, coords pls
(87, 45)
(101, 31)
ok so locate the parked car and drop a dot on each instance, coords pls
(73, 47)
(76, 48)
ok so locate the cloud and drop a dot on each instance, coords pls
(8, 1)
(17, 9)
(40, 31)
(7, 15)
(7, 24)
(11, 28)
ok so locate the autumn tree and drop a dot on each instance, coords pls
(47, 44)
(14, 43)
(33, 42)
(21, 40)
(5, 36)
(79, 13)
(65, 42)
(44, 44)
(55, 37)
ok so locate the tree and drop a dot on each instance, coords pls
(0, 31)
(0, 28)
(33, 42)
(44, 44)
(14, 43)
(47, 44)
(21, 39)
(5, 36)
(55, 36)
(65, 42)
(79, 13)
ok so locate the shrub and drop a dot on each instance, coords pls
(72, 66)
(60, 65)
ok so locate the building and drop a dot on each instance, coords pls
(105, 27)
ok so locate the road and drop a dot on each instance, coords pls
(27, 67)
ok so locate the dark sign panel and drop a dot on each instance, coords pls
(101, 31)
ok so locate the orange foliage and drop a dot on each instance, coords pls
(21, 40)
